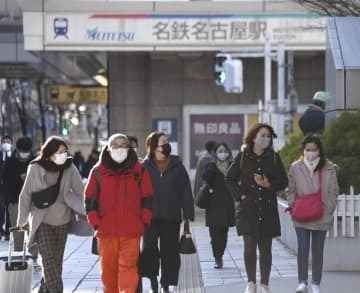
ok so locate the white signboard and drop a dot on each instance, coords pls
(89, 31)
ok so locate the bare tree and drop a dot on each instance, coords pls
(39, 86)
(20, 103)
(332, 7)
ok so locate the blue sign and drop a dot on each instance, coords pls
(60, 27)
(168, 126)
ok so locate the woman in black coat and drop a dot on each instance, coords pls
(220, 214)
(253, 180)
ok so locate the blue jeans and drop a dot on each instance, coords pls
(317, 251)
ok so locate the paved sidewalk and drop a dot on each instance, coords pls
(81, 268)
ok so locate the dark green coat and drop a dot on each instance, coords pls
(256, 207)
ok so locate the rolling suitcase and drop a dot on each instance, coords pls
(16, 272)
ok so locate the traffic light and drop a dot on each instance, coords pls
(233, 82)
(64, 128)
(220, 74)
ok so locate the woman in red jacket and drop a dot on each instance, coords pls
(118, 199)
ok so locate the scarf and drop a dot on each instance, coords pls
(50, 165)
(222, 166)
(311, 165)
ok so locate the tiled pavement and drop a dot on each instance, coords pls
(81, 270)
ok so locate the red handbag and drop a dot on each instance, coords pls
(308, 207)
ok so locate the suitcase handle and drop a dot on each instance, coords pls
(11, 243)
(18, 228)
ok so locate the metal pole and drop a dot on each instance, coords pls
(267, 80)
(281, 96)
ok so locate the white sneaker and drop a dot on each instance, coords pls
(315, 288)
(250, 288)
(264, 289)
(302, 288)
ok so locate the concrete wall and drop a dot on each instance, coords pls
(340, 253)
(157, 85)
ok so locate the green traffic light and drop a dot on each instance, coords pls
(65, 131)
(222, 76)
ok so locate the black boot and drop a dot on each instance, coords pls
(218, 263)
(139, 288)
(165, 289)
(154, 285)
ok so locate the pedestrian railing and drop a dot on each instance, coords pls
(341, 251)
(346, 216)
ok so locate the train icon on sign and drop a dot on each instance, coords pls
(61, 27)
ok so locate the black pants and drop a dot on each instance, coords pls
(167, 231)
(250, 245)
(2, 211)
(218, 236)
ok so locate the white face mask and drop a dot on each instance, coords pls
(24, 156)
(6, 147)
(60, 159)
(263, 142)
(311, 156)
(119, 155)
(222, 156)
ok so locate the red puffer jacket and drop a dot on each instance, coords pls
(118, 201)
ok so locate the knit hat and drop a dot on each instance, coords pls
(320, 96)
(116, 136)
(24, 143)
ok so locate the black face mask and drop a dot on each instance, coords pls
(166, 149)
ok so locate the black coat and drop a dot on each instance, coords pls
(313, 120)
(13, 169)
(173, 198)
(256, 207)
(221, 210)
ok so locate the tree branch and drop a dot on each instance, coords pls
(332, 7)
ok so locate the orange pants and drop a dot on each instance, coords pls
(118, 263)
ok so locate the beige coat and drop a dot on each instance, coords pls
(71, 188)
(301, 182)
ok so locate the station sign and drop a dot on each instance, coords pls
(91, 31)
(63, 94)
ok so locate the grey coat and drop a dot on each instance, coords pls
(301, 182)
(200, 168)
(71, 188)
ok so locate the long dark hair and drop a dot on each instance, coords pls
(151, 142)
(50, 146)
(314, 138)
(224, 144)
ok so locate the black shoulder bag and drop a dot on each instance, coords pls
(46, 197)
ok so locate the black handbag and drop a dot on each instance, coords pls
(202, 198)
(46, 197)
(186, 243)
(94, 246)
